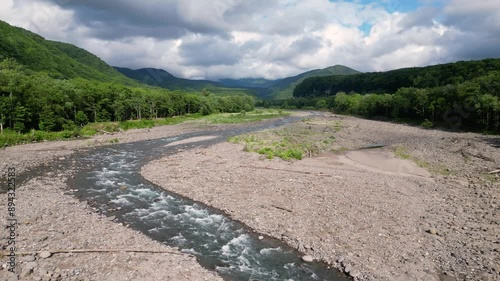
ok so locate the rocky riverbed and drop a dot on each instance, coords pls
(369, 221)
(51, 219)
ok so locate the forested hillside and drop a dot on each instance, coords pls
(50, 86)
(59, 60)
(391, 81)
(161, 78)
(460, 95)
(34, 100)
(284, 88)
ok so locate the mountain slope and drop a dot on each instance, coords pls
(390, 81)
(162, 78)
(283, 88)
(60, 60)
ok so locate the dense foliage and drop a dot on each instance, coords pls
(34, 100)
(59, 60)
(391, 81)
(463, 94)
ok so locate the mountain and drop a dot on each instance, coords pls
(162, 78)
(391, 81)
(283, 88)
(247, 82)
(60, 60)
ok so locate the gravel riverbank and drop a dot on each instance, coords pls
(50, 218)
(371, 223)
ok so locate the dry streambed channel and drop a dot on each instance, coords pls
(109, 179)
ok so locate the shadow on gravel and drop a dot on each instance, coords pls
(494, 142)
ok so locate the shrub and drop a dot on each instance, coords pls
(427, 124)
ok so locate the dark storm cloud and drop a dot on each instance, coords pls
(207, 51)
(423, 16)
(128, 18)
(166, 19)
(475, 30)
(306, 44)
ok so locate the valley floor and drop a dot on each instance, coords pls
(433, 216)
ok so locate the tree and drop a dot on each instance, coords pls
(81, 119)
(48, 120)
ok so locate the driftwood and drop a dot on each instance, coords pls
(281, 208)
(104, 132)
(291, 171)
(5, 253)
(494, 172)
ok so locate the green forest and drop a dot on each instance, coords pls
(32, 100)
(463, 95)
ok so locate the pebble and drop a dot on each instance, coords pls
(45, 254)
(29, 258)
(25, 273)
(31, 265)
(432, 231)
(261, 237)
(355, 273)
(308, 258)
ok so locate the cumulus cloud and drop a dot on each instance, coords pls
(261, 38)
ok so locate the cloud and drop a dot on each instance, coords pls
(261, 38)
(205, 51)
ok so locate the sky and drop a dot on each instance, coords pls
(213, 39)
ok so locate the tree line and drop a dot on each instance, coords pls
(34, 100)
(473, 104)
(463, 94)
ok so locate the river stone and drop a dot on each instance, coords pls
(29, 258)
(30, 265)
(432, 231)
(25, 272)
(261, 237)
(45, 254)
(308, 258)
(355, 273)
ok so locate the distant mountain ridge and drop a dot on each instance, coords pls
(260, 87)
(283, 88)
(162, 78)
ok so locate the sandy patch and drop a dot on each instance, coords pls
(191, 140)
(382, 161)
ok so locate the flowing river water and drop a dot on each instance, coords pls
(109, 178)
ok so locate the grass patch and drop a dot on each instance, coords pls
(244, 117)
(402, 153)
(302, 139)
(490, 177)
(10, 138)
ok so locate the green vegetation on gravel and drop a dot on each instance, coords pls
(10, 137)
(402, 153)
(304, 139)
